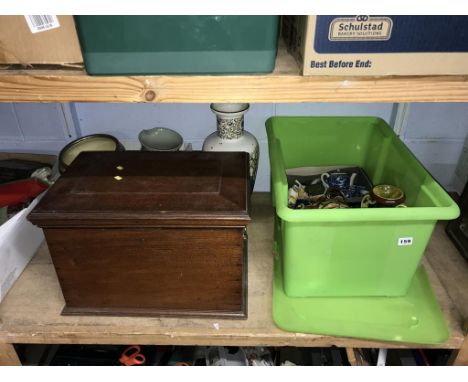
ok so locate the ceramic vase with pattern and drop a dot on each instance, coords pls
(231, 136)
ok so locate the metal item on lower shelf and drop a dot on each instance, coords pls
(15, 169)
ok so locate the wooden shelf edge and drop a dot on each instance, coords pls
(285, 84)
(220, 339)
(76, 86)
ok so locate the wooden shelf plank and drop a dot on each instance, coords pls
(8, 356)
(60, 86)
(285, 84)
(31, 311)
(451, 269)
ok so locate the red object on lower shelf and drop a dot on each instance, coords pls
(19, 192)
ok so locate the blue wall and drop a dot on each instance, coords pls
(434, 132)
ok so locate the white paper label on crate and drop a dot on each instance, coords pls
(405, 241)
(360, 28)
(42, 23)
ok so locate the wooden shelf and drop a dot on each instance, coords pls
(31, 311)
(285, 84)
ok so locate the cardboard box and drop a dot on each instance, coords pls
(378, 45)
(19, 239)
(57, 46)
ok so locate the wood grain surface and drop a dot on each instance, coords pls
(31, 311)
(8, 355)
(452, 270)
(150, 271)
(150, 233)
(459, 357)
(135, 188)
(285, 84)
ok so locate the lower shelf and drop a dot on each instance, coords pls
(399, 357)
(109, 355)
(30, 313)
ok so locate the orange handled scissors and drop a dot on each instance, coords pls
(132, 356)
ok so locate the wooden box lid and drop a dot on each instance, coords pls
(144, 188)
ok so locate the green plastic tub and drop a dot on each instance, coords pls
(351, 252)
(178, 44)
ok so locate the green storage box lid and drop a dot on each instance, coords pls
(414, 318)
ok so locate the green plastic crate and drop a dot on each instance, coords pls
(351, 252)
(178, 44)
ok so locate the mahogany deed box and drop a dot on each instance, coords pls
(149, 233)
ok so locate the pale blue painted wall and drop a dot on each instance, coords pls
(196, 121)
(434, 132)
(32, 127)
